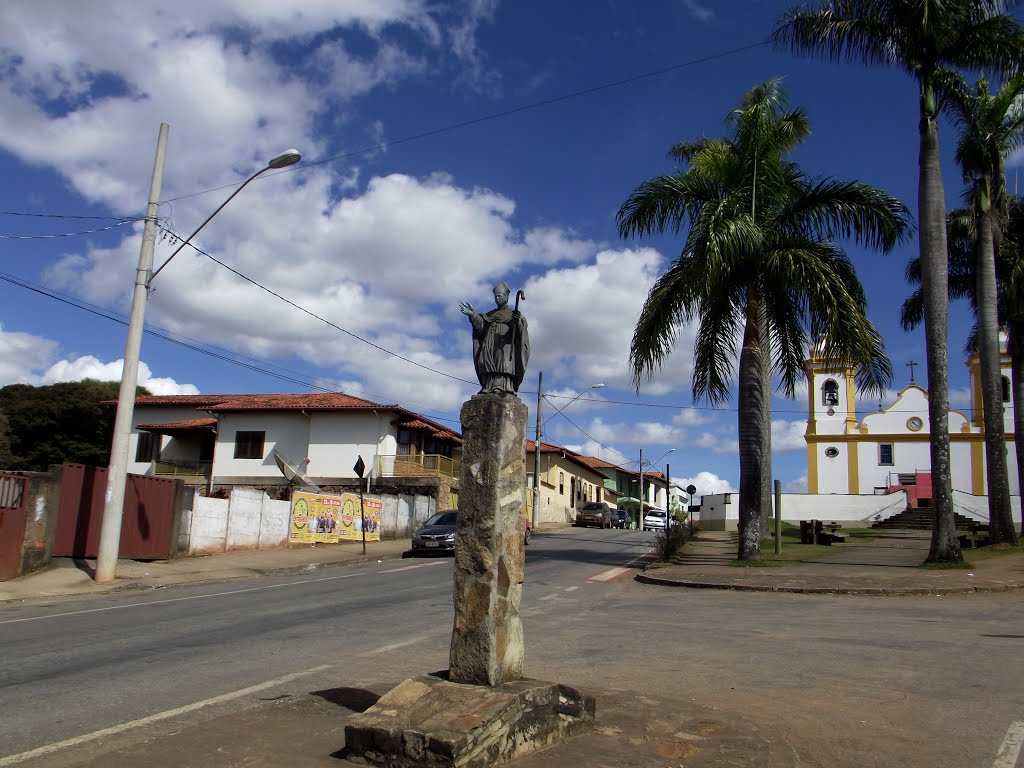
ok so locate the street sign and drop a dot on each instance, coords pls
(360, 467)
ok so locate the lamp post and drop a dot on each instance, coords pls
(536, 442)
(113, 508)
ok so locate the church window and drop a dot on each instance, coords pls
(830, 392)
(885, 454)
(1005, 387)
(831, 452)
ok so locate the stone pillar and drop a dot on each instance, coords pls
(487, 639)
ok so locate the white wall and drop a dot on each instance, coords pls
(338, 439)
(720, 512)
(250, 520)
(288, 431)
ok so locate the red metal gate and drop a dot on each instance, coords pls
(12, 523)
(147, 523)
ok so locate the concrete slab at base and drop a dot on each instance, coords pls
(430, 721)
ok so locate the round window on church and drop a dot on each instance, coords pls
(831, 452)
(914, 423)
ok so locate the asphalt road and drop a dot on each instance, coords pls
(835, 680)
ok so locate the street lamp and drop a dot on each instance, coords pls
(540, 425)
(110, 530)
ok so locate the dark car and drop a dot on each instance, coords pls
(594, 513)
(621, 518)
(438, 533)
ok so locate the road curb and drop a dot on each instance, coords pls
(862, 591)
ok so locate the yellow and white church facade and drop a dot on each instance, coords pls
(889, 448)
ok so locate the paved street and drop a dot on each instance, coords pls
(780, 679)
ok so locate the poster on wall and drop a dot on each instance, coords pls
(326, 518)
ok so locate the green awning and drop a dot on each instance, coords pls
(627, 500)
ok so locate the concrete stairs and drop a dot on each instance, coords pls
(921, 520)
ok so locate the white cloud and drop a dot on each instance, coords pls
(28, 359)
(22, 355)
(699, 11)
(788, 435)
(796, 485)
(706, 483)
(88, 367)
(694, 417)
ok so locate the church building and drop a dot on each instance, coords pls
(888, 449)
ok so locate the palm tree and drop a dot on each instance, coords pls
(924, 38)
(1012, 299)
(991, 127)
(759, 262)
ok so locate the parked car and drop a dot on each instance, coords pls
(655, 519)
(438, 533)
(621, 519)
(594, 513)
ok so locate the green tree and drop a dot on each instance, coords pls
(58, 423)
(925, 38)
(759, 261)
(5, 442)
(991, 127)
(1011, 292)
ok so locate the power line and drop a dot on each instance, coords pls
(69, 234)
(211, 350)
(497, 115)
(324, 320)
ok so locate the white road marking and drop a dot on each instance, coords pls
(223, 594)
(1009, 751)
(77, 740)
(395, 646)
(608, 575)
(549, 597)
(571, 589)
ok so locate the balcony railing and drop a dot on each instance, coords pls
(183, 469)
(417, 465)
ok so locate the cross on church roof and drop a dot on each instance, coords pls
(911, 365)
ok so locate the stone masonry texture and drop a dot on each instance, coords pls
(487, 638)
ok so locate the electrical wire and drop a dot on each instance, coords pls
(69, 234)
(496, 115)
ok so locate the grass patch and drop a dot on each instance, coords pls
(794, 551)
(997, 550)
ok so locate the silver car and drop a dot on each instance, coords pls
(655, 519)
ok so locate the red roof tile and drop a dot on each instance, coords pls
(181, 425)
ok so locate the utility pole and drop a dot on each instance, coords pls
(668, 496)
(536, 450)
(640, 514)
(113, 509)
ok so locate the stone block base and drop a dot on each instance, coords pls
(430, 721)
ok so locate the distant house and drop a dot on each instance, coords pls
(226, 441)
(624, 484)
(567, 482)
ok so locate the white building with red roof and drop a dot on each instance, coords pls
(214, 441)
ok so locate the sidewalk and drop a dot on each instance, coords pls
(886, 566)
(67, 577)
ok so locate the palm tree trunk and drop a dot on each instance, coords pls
(750, 417)
(1000, 520)
(767, 491)
(1017, 367)
(934, 263)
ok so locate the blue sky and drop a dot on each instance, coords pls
(384, 236)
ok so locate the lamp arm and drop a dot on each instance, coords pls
(188, 239)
